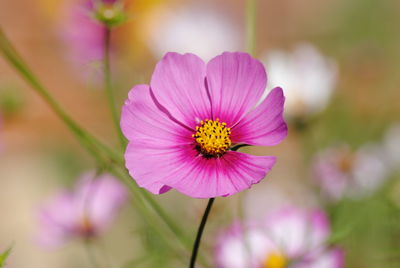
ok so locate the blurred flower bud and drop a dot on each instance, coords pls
(110, 13)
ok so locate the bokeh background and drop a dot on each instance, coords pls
(38, 155)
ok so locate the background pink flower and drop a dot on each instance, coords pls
(341, 172)
(82, 34)
(85, 212)
(182, 127)
(287, 238)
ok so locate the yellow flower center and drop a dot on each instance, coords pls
(275, 260)
(212, 138)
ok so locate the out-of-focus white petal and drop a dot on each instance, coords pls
(306, 76)
(193, 29)
(370, 169)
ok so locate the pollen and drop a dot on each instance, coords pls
(212, 138)
(275, 260)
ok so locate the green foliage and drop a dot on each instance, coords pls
(4, 256)
(11, 101)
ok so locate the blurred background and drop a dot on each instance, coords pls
(351, 73)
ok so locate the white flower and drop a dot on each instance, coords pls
(193, 29)
(307, 78)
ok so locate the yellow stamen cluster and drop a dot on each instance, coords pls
(275, 260)
(212, 138)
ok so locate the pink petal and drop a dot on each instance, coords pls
(57, 220)
(320, 229)
(243, 247)
(101, 198)
(178, 83)
(182, 168)
(224, 176)
(333, 258)
(147, 163)
(264, 125)
(150, 129)
(236, 82)
(143, 120)
(298, 231)
(82, 34)
(287, 228)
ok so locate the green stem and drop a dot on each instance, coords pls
(87, 140)
(170, 223)
(90, 254)
(155, 206)
(150, 220)
(103, 154)
(251, 21)
(200, 233)
(108, 86)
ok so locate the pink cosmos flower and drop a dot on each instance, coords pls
(183, 127)
(287, 238)
(85, 212)
(341, 172)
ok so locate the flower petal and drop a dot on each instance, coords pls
(287, 228)
(333, 258)
(143, 119)
(178, 83)
(298, 231)
(147, 163)
(236, 82)
(224, 176)
(264, 125)
(57, 220)
(100, 198)
(184, 169)
(242, 247)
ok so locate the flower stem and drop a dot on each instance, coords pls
(90, 253)
(200, 232)
(251, 19)
(88, 141)
(104, 155)
(108, 86)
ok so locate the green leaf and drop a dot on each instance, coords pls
(4, 256)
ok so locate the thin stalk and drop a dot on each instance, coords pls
(251, 22)
(200, 232)
(108, 86)
(242, 221)
(103, 154)
(87, 140)
(170, 223)
(241, 214)
(145, 196)
(90, 254)
(151, 221)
